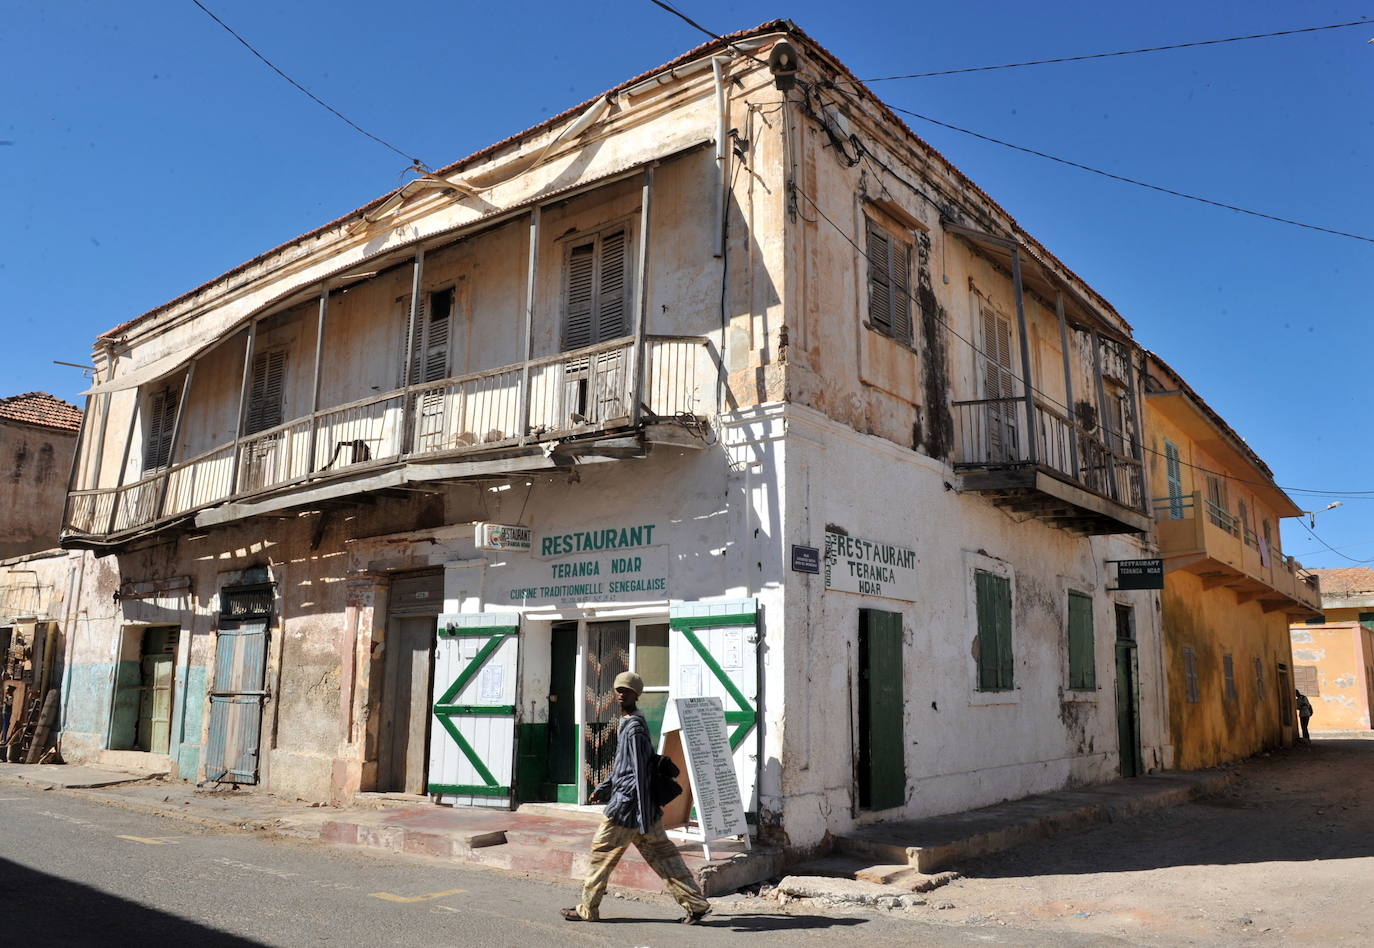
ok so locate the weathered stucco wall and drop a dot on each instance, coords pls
(1217, 727)
(1342, 650)
(34, 464)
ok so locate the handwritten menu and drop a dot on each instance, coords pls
(711, 767)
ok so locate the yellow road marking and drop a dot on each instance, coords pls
(147, 840)
(390, 897)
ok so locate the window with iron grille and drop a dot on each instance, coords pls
(596, 288)
(158, 424)
(1190, 674)
(1228, 670)
(242, 602)
(889, 282)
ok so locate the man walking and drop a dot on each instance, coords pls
(1304, 715)
(633, 817)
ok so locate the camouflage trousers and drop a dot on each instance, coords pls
(658, 851)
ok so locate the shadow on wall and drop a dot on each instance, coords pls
(1290, 813)
(34, 913)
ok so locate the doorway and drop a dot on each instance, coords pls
(882, 747)
(1287, 703)
(607, 654)
(1128, 693)
(142, 717)
(414, 603)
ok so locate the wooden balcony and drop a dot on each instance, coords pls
(1199, 537)
(587, 403)
(1068, 477)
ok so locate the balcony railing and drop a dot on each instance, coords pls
(573, 393)
(1218, 538)
(990, 434)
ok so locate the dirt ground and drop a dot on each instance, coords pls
(1285, 856)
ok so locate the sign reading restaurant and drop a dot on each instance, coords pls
(606, 564)
(869, 567)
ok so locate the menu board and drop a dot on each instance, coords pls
(711, 767)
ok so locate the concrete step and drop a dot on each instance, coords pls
(563, 811)
(139, 763)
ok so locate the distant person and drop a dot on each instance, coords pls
(633, 817)
(1304, 715)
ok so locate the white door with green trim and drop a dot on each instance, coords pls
(713, 652)
(472, 739)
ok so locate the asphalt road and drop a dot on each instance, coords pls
(75, 872)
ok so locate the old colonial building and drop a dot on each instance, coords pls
(1333, 651)
(1229, 590)
(725, 376)
(37, 440)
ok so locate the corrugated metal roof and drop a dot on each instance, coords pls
(42, 409)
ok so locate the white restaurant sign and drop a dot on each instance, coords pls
(869, 567)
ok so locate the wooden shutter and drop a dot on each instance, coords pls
(157, 438)
(1173, 473)
(578, 293)
(611, 308)
(1190, 674)
(416, 347)
(1082, 657)
(1305, 680)
(436, 337)
(998, 379)
(994, 631)
(879, 283)
(265, 392)
(901, 289)
(883, 749)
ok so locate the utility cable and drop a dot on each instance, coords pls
(1055, 402)
(1330, 547)
(416, 162)
(1123, 52)
(697, 26)
(1136, 182)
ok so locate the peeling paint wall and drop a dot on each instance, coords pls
(34, 464)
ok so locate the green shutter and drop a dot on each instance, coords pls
(884, 748)
(1082, 656)
(994, 632)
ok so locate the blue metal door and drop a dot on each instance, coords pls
(236, 698)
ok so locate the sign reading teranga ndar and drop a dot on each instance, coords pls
(869, 567)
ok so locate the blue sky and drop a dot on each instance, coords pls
(145, 151)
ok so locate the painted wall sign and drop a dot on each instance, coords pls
(597, 540)
(711, 767)
(1139, 574)
(805, 559)
(869, 567)
(637, 575)
(502, 536)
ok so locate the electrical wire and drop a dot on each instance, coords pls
(697, 26)
(1135, 181)
(416, 162)
(1123, 52)
(1330, 547)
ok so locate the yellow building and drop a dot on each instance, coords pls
(1229, 592)
(1333, 653)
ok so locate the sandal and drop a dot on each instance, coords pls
(570, 914)
(693, 918)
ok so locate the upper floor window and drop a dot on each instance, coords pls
(265, 391)
(596, 287)
(157, 432)
(889, 282)
(429, 344)
(1173, 475)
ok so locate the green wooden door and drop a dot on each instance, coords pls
(882, 744)
(1128, 709)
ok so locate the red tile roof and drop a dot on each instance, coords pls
(1346, 580)
(40, 408)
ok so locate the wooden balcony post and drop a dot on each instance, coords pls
(636, 376)
(82, 437)
(315, 383)
(1137, 446)
(176, 434)
(1105, 432)
(243, 405)
(1032, 441)
(412, 325)
(1068, 384)
(522, 411)
(123, 466)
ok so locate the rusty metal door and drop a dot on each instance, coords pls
(607, 655)
(236, 699)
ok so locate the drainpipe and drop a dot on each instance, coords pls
(315, 381)
(641, 309)
(523, 410)
(718, 64)
(243, 405)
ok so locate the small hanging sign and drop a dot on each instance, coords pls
(503, 536)
(1139, 574)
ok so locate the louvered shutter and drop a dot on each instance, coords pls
(610, 316)
(993, 601)
(879, 285)
(901, 290)
(416, 348)
(1173, 475)
(265, 394)
(577, 317)
(157, 440)
(437, 337)
(1082, 655)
